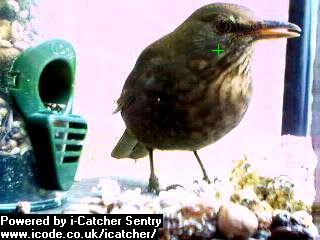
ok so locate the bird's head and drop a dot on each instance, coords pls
(233, 27)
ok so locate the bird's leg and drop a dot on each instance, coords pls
(153, 185)
(205, 175)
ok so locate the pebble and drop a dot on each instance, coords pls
(16, 140)
(290, 233)
(107, 187)
(8, 54)
(263, 211)
(16, 150)
(285, 226)
(24, 14)
(303, 216)
(188, 216)
(17, 124)
(262, 235)
(5, 29)
(12, 143)
(18, 136)
(17, 31)
(5, 44)
(2, 101)
(178, 197)
(23, 207)
(236, 221)
(21, 45)
(25, 147)
(245, 196)
(306, 219)
(3, 112)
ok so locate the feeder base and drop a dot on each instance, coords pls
(36, 205)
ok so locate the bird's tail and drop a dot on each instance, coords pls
(129, 147)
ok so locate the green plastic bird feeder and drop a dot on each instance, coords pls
(45, 74)
(40, 86)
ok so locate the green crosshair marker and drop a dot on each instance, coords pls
(218, 50)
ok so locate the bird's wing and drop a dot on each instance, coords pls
(161, 74)
(129, 147)
(128, 94)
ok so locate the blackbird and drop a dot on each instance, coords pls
(181, 95)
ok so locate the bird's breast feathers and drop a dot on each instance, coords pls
(184, 109)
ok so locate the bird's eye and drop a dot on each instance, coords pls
(223, 26)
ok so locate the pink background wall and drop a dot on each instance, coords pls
(108, 37)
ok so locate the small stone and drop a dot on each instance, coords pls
(263, 212)
(199, 212)
(8, 54)
(282, 219)
(171, 211)
(106, 186)
(236, 221)
(131, 196)
(23, 207)
(5, 44)
(152, 206)
(12, 144)
(180, 197)
(108, 190)
(21, 45)
(303, 216)
(297, 218)
(3, 112)
(25, 147)
(18, 136)
(16, 124)
(296, 232)
(2, 101)
(4, 148)
(5, 29)
(164, 203)
(313, 230)
(244, 196)
(24, 14)
(16, 150)
(23, 131)
(261, 235)
(17, 31)
(59, 195)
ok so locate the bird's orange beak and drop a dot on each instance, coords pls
(274, 29)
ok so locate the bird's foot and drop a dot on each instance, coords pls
(174, 187)
(153, 186)
(206, 178)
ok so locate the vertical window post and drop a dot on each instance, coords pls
(298, 75)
